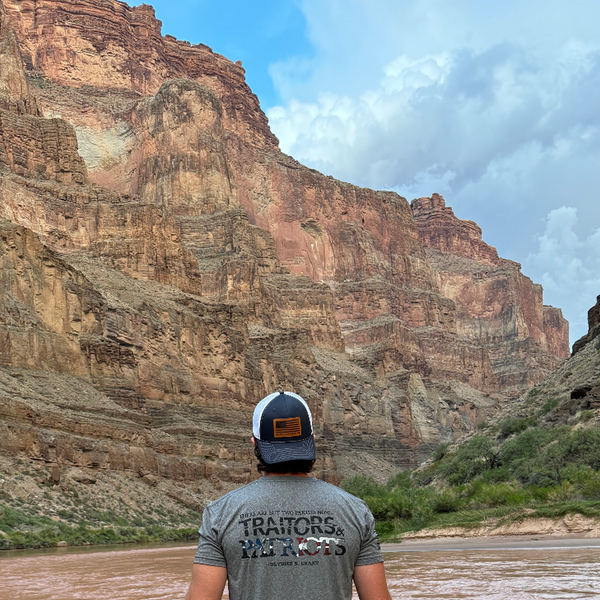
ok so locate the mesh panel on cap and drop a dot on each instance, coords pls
(276, 452)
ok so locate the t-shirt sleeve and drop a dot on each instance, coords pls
(370, 548)
(210, 550)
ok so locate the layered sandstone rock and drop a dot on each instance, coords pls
(496, 305)
(13, 85)
(165, 266)
(109, 45)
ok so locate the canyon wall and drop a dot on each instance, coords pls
(497, 307)
(164, 266)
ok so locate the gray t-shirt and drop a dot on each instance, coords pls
(286, 536)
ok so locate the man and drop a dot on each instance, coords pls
(287, 534)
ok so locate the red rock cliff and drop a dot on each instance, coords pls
(497, 306)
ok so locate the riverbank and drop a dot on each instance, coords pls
(21, 530)
(517, 525)
(508, 542)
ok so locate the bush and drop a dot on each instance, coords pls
(515, 425)
(361, 486)
(539, 494)
(499, 494)
(554, 470)
(549, 406)
(401, 480)
(565, 491)
(523, 458)
(440, 452)
(590, 490)
(24, 531)
(446, 502)
(479, 454)
(586, 415)
(384, 529)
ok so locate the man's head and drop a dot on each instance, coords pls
(283, 434)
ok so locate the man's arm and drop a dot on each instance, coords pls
(207, 583)
(370, 582)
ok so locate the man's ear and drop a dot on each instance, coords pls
(252, 440)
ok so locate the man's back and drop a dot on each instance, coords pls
(288, 535)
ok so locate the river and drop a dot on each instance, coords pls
(139, 573)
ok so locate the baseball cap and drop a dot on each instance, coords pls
(282, 428)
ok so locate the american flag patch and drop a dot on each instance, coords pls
(287, 427)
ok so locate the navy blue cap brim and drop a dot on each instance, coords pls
(277, 452)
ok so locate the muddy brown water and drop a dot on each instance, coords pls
(163, 573)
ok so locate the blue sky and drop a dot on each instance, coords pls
(496, 105)
(259, 33)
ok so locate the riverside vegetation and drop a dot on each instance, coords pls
(539, 457)
(509, 470)
(106, 508)
(22, 530)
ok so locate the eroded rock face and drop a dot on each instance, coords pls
(13, 85)
(594, 315)
(108, 45)
(594, 328)
(497, 307)
(164, 266)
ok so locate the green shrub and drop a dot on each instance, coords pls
(440, 452)
(499, 494)
(549, 406)
(565, 491)
(362, 486)
(384, 529)
(586, 415)
(403, 506)
(401, 480)
(445, 502)
(479, 454)
(539, 494)
(515, 425)
(496, 475)
(590, 490)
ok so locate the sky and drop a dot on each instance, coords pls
(495, 105)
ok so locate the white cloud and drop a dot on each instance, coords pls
(492, 104)
(568, 266)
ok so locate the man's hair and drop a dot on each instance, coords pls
(289, 466)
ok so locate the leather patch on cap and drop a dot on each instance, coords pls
(287, 427)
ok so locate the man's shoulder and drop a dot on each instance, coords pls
(233, 496)
(342, 494)
(257, 487)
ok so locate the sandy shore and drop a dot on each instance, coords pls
(517, 542)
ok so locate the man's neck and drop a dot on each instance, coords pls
(286, 475)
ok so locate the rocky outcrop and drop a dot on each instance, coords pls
(13, 85)
(164, 266)
(594, 315)
(108, 45)
(593, 328)
(30, 145)
(497, 307)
